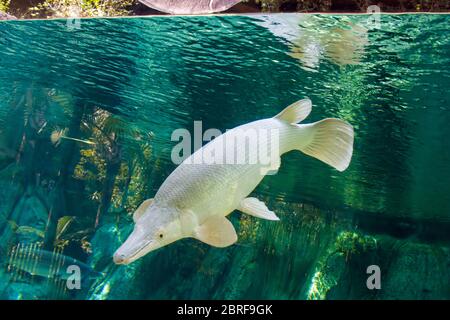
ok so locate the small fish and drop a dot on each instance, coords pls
(57, 135)
(196, 197)
(190, 6)
(47, 264)
(24, 230)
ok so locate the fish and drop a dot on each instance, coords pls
(196, 198)
(190, 6)
(57, 135)
(47, 264)
(24, 230)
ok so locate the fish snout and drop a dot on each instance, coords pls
(119, 258)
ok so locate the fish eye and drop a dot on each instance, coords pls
(161, 236)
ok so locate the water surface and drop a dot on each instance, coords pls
(122, 86)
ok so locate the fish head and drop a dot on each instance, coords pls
(156, 228)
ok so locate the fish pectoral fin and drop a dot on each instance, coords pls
(141, 209)
(257, 208)
(217, 231)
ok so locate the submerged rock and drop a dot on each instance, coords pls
(407, 270)
(190, 6)
(417, 271)
(340, 271)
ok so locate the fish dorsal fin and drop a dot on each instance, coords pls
(296, 112)
(217, 231)
(141, 209)
(257, 208)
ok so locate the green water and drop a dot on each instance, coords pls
(122, 86)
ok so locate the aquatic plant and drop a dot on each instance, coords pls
(353, 243)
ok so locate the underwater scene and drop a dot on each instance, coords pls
(88, 108)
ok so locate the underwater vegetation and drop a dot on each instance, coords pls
(86, 119)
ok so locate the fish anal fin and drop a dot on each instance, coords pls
(217, 231)
(257, 208)
(141, 209)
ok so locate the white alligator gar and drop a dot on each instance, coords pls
(196, 198)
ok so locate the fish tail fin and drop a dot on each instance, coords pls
(329, 140)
